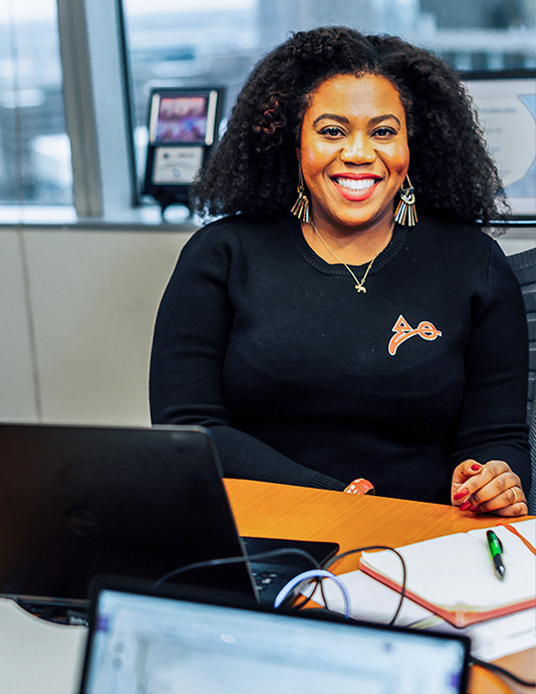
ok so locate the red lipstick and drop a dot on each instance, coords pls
(356, 194)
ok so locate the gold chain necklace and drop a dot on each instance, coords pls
(359, 284)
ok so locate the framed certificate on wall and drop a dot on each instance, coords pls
(183, 128)
(506, 107)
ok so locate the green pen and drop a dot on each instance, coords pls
(495, 549)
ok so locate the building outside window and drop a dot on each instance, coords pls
(35, 159)
(201, 43)
(197, 43)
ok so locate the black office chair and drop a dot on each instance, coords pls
(524, 266)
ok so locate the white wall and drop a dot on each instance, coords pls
(76, 313)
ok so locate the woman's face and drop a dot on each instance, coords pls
(354, 152)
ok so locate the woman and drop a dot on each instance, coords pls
(351, 339)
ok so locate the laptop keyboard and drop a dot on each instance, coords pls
(263, 579)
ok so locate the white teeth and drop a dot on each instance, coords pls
(352, 184)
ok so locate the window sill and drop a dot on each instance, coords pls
(144, 218)
(148, 218)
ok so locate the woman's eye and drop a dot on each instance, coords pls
(331, 131)
(384, 132)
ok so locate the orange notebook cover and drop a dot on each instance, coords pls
(454, 577)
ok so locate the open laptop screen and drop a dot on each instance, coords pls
(143, 643)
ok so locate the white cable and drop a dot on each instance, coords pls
(307, 576)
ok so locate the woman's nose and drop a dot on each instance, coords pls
(358, 150)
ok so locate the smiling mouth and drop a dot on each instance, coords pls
(356, 184)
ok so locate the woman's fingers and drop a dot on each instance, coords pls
(520, 509)
(471, 480)
(492, 487)
(462, 473)
(511, 502)
(496, 477)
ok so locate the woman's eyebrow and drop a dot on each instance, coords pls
(332, 116)
(387, 116)
(345, 120)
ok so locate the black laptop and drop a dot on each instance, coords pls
(77, 501)
(196, 641)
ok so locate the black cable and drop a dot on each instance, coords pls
(498, 670)
(293, 551)
(323, 594)
(317, 583)
(336, 558)
(296, 607)
(237, 560)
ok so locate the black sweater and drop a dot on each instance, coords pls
(304, 381)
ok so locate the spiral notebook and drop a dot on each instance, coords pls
(453, 575)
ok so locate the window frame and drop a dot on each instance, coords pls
(95, 68)
(97, 88)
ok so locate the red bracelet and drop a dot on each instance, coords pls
(360, 486)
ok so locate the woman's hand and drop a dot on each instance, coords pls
(491, 488)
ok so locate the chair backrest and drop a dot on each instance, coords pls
(524, 266)
(532, 439)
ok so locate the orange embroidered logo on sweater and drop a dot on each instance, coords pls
(403, 331)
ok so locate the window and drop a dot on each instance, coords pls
(176, 45)
(35, 159)
(73, 122)
(197, 43)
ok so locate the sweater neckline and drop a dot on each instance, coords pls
(393, 248)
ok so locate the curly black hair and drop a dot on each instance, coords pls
(254, 170)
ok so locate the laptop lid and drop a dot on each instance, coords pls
(78, 501)
(196, 641)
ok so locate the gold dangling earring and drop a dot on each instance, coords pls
(405, 212)
(300, 209)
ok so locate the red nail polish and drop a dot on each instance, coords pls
(465, 506)
(475, 509)
(459, 495)
(476, 466)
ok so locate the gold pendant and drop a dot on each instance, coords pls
(360, 289)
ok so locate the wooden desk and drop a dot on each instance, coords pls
(273, 510)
